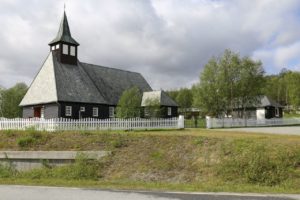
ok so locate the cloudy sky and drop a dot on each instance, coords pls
(168, 41)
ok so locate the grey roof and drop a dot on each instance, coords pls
(264, 101)
(159, 96)
(261, 101)
(113, 82)
(74, 84)
(81, 83)
(64, 33)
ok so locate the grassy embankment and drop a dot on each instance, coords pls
(186, 160)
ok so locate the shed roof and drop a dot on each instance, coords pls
(159, 96)
(265, 101)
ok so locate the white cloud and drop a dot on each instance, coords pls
(167, 41)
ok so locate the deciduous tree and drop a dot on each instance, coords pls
(129, 104)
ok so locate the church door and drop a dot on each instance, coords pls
(37, 112)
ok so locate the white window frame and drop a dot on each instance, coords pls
(72, 51)
(57, 46)
(146, 112)
(82, 109)
(65, 49)
(43, 112)
(68, 111)
(277, 112)
(53, 48)
(111, 111)
(169, 111)
(95, 111)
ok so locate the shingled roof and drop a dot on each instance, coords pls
(81, 83)
(64, 33)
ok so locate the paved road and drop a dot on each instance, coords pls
(57, 193)
(287, 130)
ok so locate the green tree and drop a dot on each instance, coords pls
(227, 82)
(184, 99)
(129, 105)
(173, 94)
(11, 99)
(153, 108)
(284, 88)
(292, 80)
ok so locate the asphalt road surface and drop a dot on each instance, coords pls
(60, 193)
(284, 130)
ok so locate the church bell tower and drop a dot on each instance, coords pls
(63, 46)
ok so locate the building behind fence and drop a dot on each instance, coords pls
(62, 124)
(235, 122)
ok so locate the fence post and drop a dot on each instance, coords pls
(180, 122)
(208, 122)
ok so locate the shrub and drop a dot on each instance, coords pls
(256, 163)
(10, 133)
(25, 141)
(7, 170)
(83, 169)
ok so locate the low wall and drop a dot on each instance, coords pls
(26, 160)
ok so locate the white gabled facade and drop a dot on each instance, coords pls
(43, 88)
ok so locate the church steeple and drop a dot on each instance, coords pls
(63, 45)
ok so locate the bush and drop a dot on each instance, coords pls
(257, 163)
(7, 171)
(31, 137)
(25, 141)
(83, 169)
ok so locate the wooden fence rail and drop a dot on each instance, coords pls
(62, 124)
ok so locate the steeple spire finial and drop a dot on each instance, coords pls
(64, 33)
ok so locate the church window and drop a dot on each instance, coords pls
(95, 112)
(169, 111)
(111, 112)
(65, 49)
(72, 51)
(68, 110)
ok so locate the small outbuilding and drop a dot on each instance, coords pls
(160, 103)
(263, 108)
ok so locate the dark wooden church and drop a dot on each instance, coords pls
(65, 87)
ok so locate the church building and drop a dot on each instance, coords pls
(65, 87)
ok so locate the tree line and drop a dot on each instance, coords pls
(226, 82)
(10, 99)
(231, 81)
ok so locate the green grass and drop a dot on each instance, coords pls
(195, 123)
(291, 115)
(184, 160)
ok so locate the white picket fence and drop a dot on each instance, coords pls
(231, 122)
(62, 124)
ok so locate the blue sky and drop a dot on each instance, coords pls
(168, 41)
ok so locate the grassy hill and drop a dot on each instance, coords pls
(190, 160)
